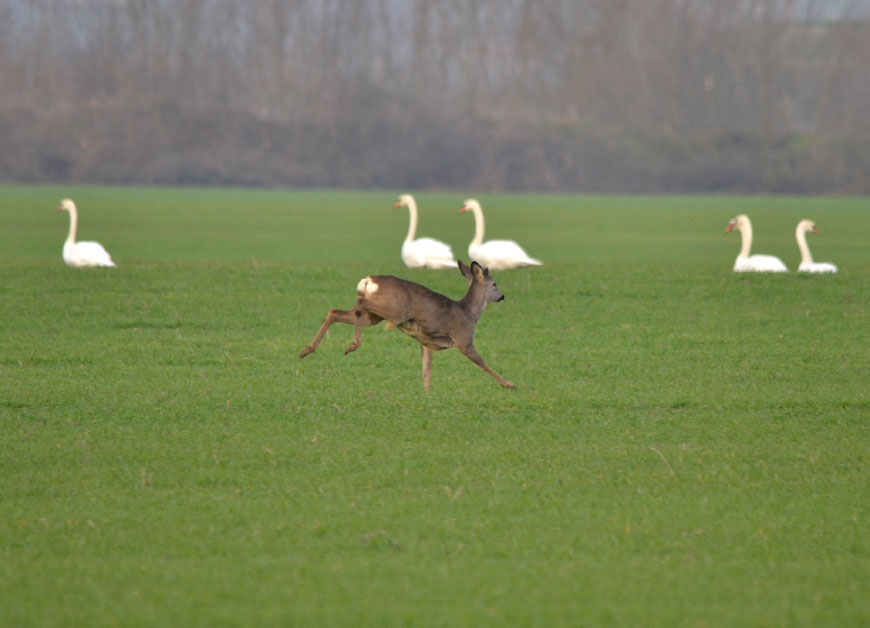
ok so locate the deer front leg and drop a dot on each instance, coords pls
(427, 366)
(471, 353)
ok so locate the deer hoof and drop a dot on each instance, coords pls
(306, 351)
(352, 347)
(510, 385)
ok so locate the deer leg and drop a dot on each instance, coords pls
(361, 318)
(427, 366)
(471, 353)
(357, 331)
(338, 316)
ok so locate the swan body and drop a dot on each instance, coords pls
(807, 264)
(494, 254)
(81, 254)
(422, 252)
(746, 263)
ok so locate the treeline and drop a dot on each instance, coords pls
(568, 95)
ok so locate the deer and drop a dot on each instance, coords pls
(434, 320)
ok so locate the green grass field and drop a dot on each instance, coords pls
(686, 446)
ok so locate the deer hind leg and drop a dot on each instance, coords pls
(427, 366)
(471, 353)
(361, 318)
(334, 316)
(340, 316)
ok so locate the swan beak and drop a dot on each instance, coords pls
(397, 204)
(730, 227)
(816, 231)
(463, 209)
(59, 208)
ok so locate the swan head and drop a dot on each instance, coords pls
(469, 205)
(404, 201)
(807, 225)
(66, 205)
(737, 223)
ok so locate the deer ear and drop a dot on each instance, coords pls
(478, 271)
(465, 270)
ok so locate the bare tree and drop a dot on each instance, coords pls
(551, 94)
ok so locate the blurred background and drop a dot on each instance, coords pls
(510, 95)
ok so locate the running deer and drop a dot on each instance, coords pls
(432, 319)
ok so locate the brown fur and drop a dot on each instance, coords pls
(432, 319)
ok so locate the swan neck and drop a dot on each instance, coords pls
(412, 226)
(745, 239)
(801, 235)
(73, 225)
(478, 226)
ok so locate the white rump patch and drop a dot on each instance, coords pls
(366, 287)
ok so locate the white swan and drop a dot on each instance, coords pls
(422, 252)
(807, 265)
(495, 254)
(81, 254)
(746, 263)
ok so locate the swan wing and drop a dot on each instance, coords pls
(760, 264)
(501, 254)
(428, 253)
(85, 254)
(817, 267)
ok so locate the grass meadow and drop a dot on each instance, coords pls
(686, 446)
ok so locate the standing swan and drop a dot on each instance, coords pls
(807, 264)
(495, 254)
(81, 254)
(423, 252)
(746, 263)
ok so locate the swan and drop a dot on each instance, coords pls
(422, 252)
(81, 254)
(807, 265)
(746, 263)
(495, 254)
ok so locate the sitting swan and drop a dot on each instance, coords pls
(746, 263)
(81, 254)
(495, 254)
(807, 265)
(423, 252)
